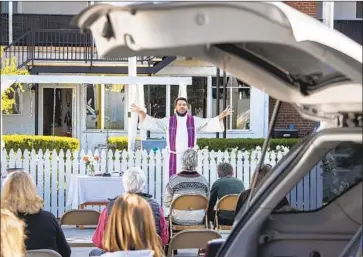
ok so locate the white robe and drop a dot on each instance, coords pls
(181, 141)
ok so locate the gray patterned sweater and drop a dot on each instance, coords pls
(186, 183)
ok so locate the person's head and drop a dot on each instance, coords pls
(181, 106)
(190, 160)
(224, 169)
(11, 170)
(134, 180)
(12, 235)
(19, 194)
(265, 169)
(131, 226)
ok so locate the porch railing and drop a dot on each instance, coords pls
(60, 45)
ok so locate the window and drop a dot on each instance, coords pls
(196, 94)
(340, 170)
(359, 9)
(156, 102)
(11, 100)
(4, 7)
(114, 105)
(238, 96)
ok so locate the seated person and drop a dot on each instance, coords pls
(134, 181)
(187, 182)
(265, 169)
(225, 185)
(12, 235)
(131, 230)
(42, 229)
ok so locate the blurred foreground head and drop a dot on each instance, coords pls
(12, 235)
(131, 226)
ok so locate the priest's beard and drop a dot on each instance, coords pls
(181, 114)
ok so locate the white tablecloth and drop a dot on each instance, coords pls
(93, 189)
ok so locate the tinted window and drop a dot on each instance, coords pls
(333, 176)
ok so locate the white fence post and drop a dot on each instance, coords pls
(52, 172)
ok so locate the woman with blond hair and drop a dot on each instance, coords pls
(130, 230)
(12, 235)
(19, 195)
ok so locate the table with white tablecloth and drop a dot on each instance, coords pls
(93, 189)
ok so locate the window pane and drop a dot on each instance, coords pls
(156, 102)
(174, 91)
(341, 169)
(12, 104)
(91, 107)
(359, 9)
(238, 97)
(114, 107)
(197, 96)
(241, 106)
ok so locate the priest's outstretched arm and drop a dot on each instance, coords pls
(150, 123)
(212, 124)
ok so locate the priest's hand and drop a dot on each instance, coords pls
(138, 110)
(228, 111)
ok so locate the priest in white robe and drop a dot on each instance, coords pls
(180, 129)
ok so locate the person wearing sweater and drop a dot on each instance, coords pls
(227, 184)
(42, 230)
(187, 182)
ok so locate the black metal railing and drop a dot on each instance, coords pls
(59, 45)
(22, 23)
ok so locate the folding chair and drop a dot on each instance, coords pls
(188, 203)
(192, 239)
(226, 203)
(80, 218)
(42, 253)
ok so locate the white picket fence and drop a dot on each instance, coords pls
(52, 172)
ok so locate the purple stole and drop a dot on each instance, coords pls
(172, 140)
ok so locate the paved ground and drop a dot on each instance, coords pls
(86, 234)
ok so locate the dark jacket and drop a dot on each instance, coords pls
(244, 196)
(222, 187)
(155, 207)
(44, 232)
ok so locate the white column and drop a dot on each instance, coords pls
(328, 14)
(10, 25)
(209, 97)
(168, 101)
(258, 113)
(132, 119)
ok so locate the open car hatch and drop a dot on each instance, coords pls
(289, 55)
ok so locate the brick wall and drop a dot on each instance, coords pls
(288, 114)
(308, 7)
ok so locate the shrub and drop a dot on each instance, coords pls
(243, 143)
(119, 143)
(23, 142)
(222, 144)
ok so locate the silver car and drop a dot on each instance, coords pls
(293, 58)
